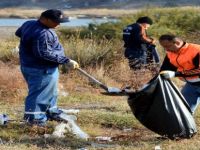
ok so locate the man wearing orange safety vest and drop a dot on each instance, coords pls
(183, 61)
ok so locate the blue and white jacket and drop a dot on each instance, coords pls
(39, 46)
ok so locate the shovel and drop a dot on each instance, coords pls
(109, 90)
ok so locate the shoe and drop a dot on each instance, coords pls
(62, 117)
(55, 117)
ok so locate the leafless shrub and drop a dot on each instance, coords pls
(11, 83)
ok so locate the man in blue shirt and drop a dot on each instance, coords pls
(40, 54)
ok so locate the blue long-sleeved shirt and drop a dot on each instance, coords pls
(39, 46)
(138, 36)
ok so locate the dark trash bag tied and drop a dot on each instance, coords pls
(160, 107)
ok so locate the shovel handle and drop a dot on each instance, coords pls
(93, 79)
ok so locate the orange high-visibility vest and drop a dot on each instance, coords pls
(183, 60)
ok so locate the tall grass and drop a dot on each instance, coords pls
(12, 85)
(177, 20)
(100, 47)
(91, 52)
(89, 43)
(9, 50)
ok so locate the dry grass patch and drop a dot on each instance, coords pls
(12, 84)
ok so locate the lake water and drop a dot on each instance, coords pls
(12, 22)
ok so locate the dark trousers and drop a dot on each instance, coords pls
(141, 57)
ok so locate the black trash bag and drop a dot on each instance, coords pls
(160, 107)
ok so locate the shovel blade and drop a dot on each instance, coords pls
(114, 90)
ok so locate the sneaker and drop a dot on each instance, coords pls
(62, 117)
(54, 116)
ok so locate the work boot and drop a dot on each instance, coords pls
(54, 116)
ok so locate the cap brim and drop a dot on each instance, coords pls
(63, 20)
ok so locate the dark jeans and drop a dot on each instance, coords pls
(140, 57)
(136, 58)
(192, 95)
(152, 54)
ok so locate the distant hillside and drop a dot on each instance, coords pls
(70, 4)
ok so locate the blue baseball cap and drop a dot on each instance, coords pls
(55, 15)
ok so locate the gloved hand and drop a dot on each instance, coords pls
(167, 74)
(73, 64)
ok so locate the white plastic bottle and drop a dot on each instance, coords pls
(3, 119)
